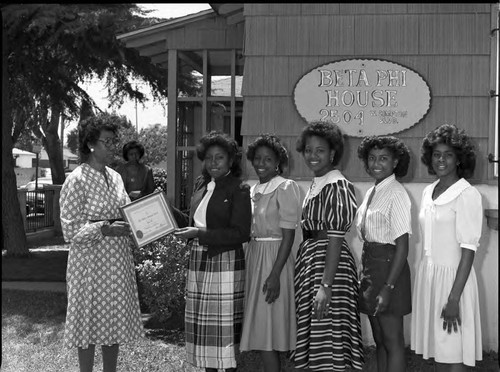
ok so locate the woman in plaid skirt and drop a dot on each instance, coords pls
(220, 220)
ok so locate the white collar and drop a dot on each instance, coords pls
(267, 187)
(385, 182)
(451, 192)
(319, 182)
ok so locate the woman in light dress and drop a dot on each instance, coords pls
(446, 320)
(103, 303)
(269, 324)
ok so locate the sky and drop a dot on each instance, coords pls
(151, 113)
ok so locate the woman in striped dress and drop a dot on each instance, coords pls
(383, 222)
(220, 219)
(326, 282)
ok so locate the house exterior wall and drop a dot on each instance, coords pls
(447, 44)
(24, 161)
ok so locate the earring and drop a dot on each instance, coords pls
(92, 150)
(277, 168)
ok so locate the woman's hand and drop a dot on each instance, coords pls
(321, 303)
(271, 288)
(117, 228)
(451, 316)
(383, 299)
(187, 232)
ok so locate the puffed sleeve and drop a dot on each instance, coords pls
(288, 197)
(340, 207)
(469, 219)
(400, 214)
(75, 227)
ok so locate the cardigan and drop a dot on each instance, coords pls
(229, 214)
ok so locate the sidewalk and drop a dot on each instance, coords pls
(36, 286)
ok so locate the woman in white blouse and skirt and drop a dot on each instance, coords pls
(446, 321)
(383, 222)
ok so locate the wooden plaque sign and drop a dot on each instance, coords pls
(363, 97)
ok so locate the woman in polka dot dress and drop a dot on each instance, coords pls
(103, 303)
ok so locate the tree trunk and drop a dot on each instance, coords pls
(13, 234)
(53, 147)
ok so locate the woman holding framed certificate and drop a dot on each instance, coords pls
(103, 303)
(220, 220)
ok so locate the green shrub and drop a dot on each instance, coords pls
(161, 272)
(160, 177)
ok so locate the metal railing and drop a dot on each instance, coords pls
(39, 209)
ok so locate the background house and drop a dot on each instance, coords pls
(270, 47)
(70, 160)
(23, 159)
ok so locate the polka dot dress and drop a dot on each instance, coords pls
(103, 304)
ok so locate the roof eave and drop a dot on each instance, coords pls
(170, 24)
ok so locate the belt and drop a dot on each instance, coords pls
(270, 239)
(380, 248)
(111, 220)
(314, 234)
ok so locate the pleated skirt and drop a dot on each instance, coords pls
(335, 342)
(214, 307)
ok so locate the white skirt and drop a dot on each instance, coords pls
(433, 284)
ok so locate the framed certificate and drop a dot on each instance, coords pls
(149, 217)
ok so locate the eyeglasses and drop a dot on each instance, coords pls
(109, 142)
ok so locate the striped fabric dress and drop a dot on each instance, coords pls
(333, 343)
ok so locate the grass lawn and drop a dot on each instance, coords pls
(32, 341)
(33, 329)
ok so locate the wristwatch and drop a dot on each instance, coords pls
(326, 285)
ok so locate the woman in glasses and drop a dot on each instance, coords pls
(103, 304)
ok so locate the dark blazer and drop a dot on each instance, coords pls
(229, 214)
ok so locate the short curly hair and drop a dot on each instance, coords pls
(398, 149)
(327, 130)
(273, 142)
(223, 140)
(133, 145)
(89, 131)
(461, 144)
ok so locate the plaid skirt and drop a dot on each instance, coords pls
(215, 292)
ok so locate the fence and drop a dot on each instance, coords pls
(40, 209)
